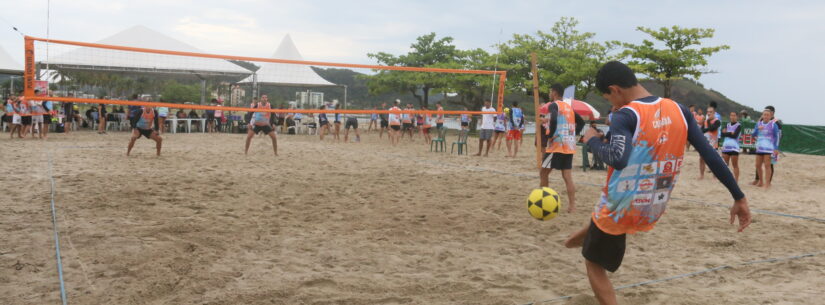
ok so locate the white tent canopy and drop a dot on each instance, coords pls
(288, 74)
(86, 58)
(8, 65)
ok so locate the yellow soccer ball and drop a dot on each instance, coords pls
(543, 203)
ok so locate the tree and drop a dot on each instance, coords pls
(175, 92)
(566, 56)
(471, 89)
(680, 58)
(427, 51)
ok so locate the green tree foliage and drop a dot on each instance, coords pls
(175, 92)
(565, 56)
(681, 56)
(427, 51)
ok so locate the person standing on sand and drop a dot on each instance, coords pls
(645, 149)
(775, 156)
(323, 123)
(261, 122)
(395, 123)
(563, 126)
(766, 134)
(385, 123)
(730, 144)
(487, 126)
(516, 125)
(144, 122)
(711, 130)
(373, 120)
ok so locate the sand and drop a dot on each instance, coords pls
(366, 223)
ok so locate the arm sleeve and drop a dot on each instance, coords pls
(135, 117)
(553, 110)
(737, 132)
(616, 151)
(579, 124)
(709, 155)
(778, 132)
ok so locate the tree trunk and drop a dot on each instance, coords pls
(667, 84)
(415, 94)
(426, 97)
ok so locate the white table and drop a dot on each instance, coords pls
(173, 123)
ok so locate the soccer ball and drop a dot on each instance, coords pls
(543, 203)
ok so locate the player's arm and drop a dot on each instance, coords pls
(616, 151)
(553, 118)
(720, 170)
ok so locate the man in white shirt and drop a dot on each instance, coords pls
(487, 126)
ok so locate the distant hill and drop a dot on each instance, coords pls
(686, 92)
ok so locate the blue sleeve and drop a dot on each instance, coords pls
(778, 133)
(616, 152)
(710, 156)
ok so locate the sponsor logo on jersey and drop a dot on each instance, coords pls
(642, 199)
(627, 185)
(649, 168)
(646, 184)
(664, 182)
(661, 197)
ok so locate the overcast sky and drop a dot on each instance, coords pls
(777, 54)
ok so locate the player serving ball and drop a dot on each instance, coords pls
(644, 148)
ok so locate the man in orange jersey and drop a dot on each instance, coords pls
(145, 124)
(645, 149)
(563, 126)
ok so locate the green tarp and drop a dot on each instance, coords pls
(800, 139)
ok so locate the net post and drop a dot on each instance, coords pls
(534, 70)
(501, 81)
(29, 70)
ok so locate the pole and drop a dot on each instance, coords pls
(345, 96)
(534, 69)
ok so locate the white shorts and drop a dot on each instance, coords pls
(16, 119)
(37, 119)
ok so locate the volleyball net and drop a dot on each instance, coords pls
(98, 73)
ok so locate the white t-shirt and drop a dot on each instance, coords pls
(487, 119)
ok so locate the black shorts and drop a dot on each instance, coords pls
(324, 123)
(557, 161)
(758, 154)
(210, 117)
(47, 119)
(385, 123)
(26, 120)
(395, 127)
(266, 129)
(604, 249)
(439, 125)
(145, 132)
(68, 109)
(499, 131)
(465, 124)
(731, 153)
(407, 126)
(351, 122)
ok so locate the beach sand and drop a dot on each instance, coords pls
(367, 223)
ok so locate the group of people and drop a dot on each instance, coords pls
(767, 134)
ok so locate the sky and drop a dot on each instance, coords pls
(777, 52)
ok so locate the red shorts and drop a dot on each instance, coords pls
(514, 134)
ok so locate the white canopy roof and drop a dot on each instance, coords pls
(288, 74)
(8, 65)
(140, 36)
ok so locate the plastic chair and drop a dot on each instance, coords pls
(440, 141)
(462, 142)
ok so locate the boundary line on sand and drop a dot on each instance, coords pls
(56, 236)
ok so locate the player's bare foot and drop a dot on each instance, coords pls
(759, 184)
(571, 209)
(755, 182)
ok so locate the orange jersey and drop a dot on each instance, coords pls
(564, 141)
(635, 197)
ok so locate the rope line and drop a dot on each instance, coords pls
(56, 236)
